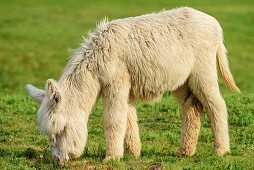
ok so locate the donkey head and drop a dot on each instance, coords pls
(60, 120)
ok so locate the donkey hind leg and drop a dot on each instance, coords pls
(132, 139)
(206, 88)
(192, 112)
(115, 119)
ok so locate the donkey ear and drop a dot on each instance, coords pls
(35, 93)
(53, 91)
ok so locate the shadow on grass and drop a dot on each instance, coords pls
(94, 153)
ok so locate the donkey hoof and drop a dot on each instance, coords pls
(221, 151)
(108, 158)
(183, 152)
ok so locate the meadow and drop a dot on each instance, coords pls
(36, 40)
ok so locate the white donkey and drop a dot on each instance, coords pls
(139, 59)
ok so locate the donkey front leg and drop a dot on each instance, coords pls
(115, 120)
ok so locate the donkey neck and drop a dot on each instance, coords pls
(81, 89)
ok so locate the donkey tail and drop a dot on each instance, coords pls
(224, 68)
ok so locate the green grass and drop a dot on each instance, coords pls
(35, 42)
(22, 146)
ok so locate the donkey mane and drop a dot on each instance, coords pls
(91, 48)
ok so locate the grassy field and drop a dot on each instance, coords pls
(36, 38)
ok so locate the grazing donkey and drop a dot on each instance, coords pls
(139, 59)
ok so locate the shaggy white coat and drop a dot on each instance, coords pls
(139, 59)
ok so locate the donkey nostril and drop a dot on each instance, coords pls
(59, 162)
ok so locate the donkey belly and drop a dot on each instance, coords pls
(150, 80)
